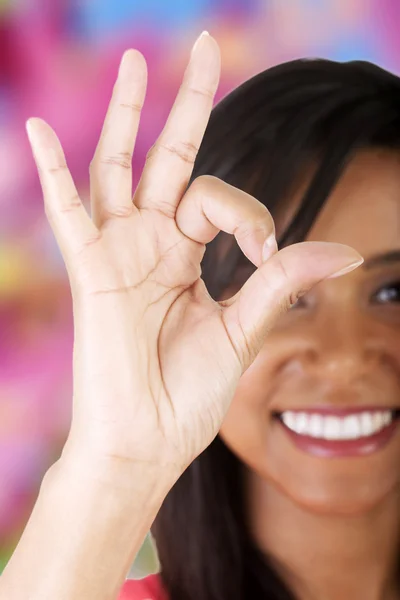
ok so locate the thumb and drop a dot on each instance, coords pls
(276, 285)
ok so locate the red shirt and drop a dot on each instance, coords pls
(148, 588)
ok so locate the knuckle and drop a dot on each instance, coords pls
(259, 217)
(263, 215)
(164, 207)
(204, 182)
(277, 280)
(258, 212)
(248, 228)
(136, 108)
(57, 169)
(283, 274)
(280, 282)
(72, 204)
(198, 91)
(122, 160)
(185, 151)
(118, 212)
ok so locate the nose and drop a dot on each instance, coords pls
(342, 346)
(337, 345)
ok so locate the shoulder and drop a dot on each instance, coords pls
(148, 588)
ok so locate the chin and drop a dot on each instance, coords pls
(345, 485)
(339, 494)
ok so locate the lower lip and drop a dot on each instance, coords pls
(337, 448)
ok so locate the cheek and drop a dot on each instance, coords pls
(248, 419)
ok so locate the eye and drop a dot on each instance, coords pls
(388, 293)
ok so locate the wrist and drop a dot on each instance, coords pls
(118, 474)
(89, 510)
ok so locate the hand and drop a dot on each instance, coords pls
(156, 360)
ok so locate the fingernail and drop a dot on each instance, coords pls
(270, 247)
(346, 269)
(197, 42)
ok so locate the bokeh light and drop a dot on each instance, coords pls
(58, 60)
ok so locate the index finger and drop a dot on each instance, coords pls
(169, 162)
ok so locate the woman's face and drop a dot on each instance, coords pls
(331, 366)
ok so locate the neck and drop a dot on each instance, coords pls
(325, 556)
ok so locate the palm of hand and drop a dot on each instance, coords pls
(156, 359)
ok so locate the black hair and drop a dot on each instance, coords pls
(262, 137)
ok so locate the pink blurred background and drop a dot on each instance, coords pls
(58, 60)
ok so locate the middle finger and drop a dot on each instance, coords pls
(111, 167)
(169, 163)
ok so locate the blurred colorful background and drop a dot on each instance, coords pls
(58, 60)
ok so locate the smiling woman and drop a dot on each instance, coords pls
(242, 402)
(326, 383)
(303, 478)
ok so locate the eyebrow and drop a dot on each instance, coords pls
(382, 259)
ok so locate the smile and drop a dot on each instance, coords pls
(329, 427)
(357, 432)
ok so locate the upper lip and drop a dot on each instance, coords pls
(310, 395)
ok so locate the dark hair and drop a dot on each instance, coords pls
(261, 138)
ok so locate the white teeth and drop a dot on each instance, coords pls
(367, 425)
(378, 421)
(302, 423)
(331, 427)
(351, 428)
(316, 426)
(290, 420)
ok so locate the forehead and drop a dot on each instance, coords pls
(363, 210)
